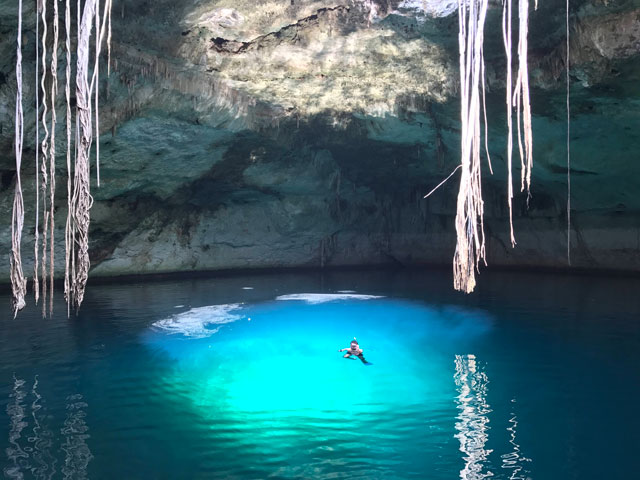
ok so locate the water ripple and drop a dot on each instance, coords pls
(514, 460)
(471, 383)
(75, 431)
(16, 454)
(41, 439)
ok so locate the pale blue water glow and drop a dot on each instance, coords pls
(240, 377)
(281, 356)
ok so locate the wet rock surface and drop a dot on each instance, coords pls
(305, 133)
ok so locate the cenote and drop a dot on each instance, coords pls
(319, 239)
(240, 377)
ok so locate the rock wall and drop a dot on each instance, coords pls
(272, 133)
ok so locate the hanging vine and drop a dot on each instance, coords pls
(506, 35)
(45, 151)
(568, 143)
(81, 200)
(470, 247)
(78, 183)
(18, 281)
(52, 151)
(36, 243)
(67, 91)
(522, 101)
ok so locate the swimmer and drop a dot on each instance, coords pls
(354, 350)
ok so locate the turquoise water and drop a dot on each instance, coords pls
(533, 376)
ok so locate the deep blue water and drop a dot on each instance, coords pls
(533, 376)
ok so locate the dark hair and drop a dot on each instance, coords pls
(354, 341)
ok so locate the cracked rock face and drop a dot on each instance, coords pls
(268, 133)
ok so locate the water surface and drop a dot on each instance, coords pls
(533, 376)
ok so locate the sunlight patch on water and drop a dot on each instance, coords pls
(199, 322)
(287, 359)
(314, 298)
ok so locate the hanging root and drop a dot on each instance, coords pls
(78, 190)
(45, 150)
(36, 243)
(108, 8)
(81, 198)
(442, 182)
(45, 232)
(522, 102)
(52, 151)
(18, 281)
(96, 77)
(568, 148)
(100, 34)
(486, 124)
(67, 91)
(470, 247)
(506, 35)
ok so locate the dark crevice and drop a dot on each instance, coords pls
(289, 32)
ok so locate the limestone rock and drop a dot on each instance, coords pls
(274, 133)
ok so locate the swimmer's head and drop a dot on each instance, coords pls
(354, 343)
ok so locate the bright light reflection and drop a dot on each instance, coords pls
(473, 419)
(281, 357)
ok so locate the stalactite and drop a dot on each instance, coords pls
(52, 150)
(470, 247)
(18, 281)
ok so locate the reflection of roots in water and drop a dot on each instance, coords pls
(35, 459)
(472, 422)
(42, 440)
(75, 447)
(515, 460)
(17, 456)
